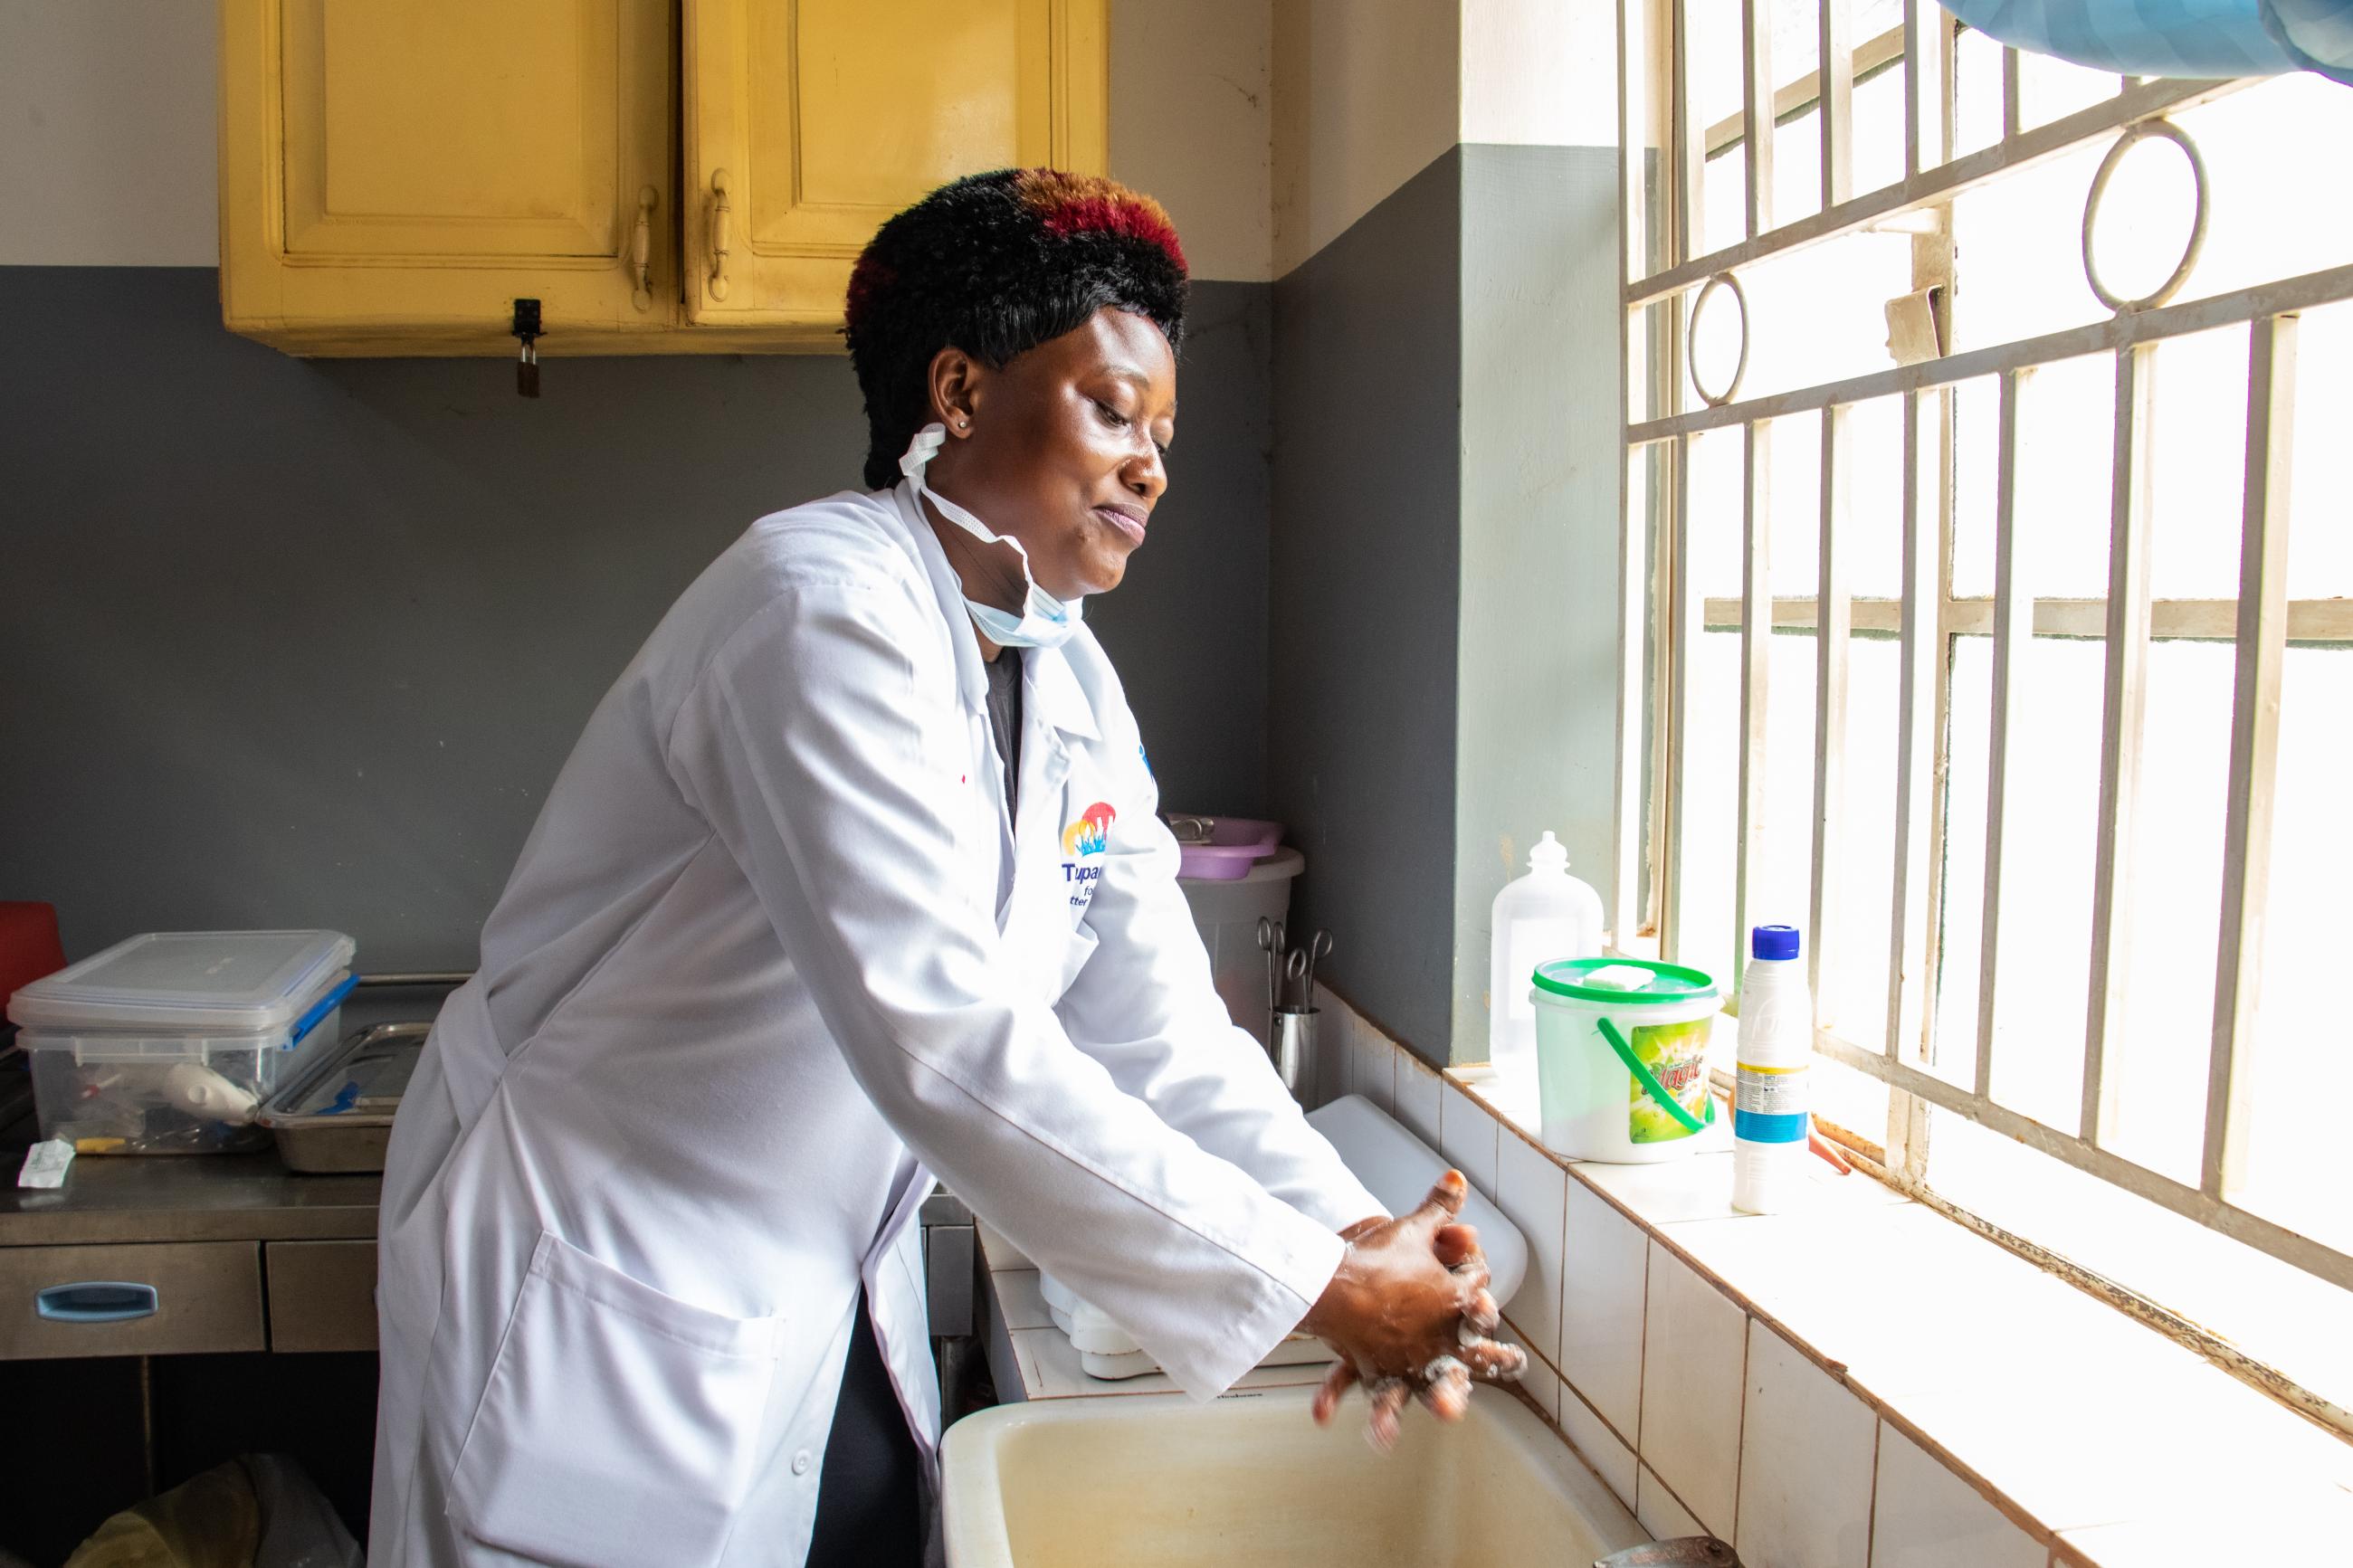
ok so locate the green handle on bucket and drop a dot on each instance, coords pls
(1650, 1081)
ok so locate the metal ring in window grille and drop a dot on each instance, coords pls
(1691, 339)
(2167, 131)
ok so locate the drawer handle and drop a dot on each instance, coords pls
(96, 1301)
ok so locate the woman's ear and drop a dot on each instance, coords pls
(956, 378)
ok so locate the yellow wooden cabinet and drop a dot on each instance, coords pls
(809, 121)
(396, 173)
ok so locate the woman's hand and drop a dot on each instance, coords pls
(1409, 1313)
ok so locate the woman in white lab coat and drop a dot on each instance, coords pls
(854, 879)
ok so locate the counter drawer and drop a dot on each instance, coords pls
(173, 1299)
(321, 1295)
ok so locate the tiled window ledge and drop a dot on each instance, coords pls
(1862, 1383)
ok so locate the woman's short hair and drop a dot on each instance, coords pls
(996, 264)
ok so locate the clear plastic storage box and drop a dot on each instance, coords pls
(168, 1043)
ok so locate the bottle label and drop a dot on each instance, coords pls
(1769, 1104)
(1676, 1055)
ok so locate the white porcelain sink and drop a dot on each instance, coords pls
(1155, 1483)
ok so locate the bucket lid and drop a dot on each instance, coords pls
(239, 981)
(1668, 983)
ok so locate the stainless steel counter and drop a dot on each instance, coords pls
(197, 1198)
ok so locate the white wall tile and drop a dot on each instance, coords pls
(1928, 1516)
(1466, 1135)
(1330, 1046)
(1530, 1190)
(1372, 1065)
(1540, 1384)
(1695, 1342)
(1659, 1512)
(1806, 1448)
(1604, 1260)
(1417, 1097)
(1611, 1459)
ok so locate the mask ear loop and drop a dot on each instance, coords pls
(921, 450)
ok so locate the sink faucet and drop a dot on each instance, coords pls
(1685, 1552)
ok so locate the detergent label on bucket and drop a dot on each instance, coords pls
(1676, 1055)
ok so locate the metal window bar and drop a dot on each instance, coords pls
(2286, 296)
(1920, 682)
(2266, 621)
(1756, 668)
(1858, 63)
(1929, 187)
(1757, 113)
(2124, 704)
(1834, 77)
(2170, 620)
(2012, 633)
(1831, 640)
(1681, 635)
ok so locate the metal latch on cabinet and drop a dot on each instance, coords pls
(526, 327)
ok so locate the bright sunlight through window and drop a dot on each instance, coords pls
(1988, 570)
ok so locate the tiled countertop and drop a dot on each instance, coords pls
(1032, 1359)
(1861, 1383)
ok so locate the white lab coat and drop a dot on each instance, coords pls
(773, 956)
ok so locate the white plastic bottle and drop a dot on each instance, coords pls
(1545, 915)
(1769, 1115)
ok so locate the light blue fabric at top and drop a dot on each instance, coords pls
(2176, 38)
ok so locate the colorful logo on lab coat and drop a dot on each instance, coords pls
(1091, 833)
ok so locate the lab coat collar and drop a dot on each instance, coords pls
(972, 679)
(1053, 692)
(1057, 696)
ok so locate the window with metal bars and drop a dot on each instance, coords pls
(1985, 553)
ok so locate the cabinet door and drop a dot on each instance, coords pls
(395, 173)
(809, 121)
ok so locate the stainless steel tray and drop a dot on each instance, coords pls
(338, 1116)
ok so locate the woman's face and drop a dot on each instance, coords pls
(1062, 448)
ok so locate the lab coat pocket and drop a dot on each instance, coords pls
(621, 1426)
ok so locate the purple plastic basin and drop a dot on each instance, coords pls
(1235, 845)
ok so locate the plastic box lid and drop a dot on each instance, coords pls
(237, 982)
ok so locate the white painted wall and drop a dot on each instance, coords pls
(1192, 123)
(1367, 93)
(106, 135)
(108, 141)
(1540, 72)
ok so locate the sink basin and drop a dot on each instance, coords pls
(1155, 1483)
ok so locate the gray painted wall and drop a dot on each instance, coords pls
(1445, 547)
(1361, 653)
(296, 643)
(1536, 742)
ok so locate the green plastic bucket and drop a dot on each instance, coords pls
(1622, 1060)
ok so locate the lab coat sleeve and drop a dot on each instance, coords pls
(824, 744)
(1144, 1006)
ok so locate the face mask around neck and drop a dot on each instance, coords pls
(1044, 621)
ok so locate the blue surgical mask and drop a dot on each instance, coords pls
(1044, 621)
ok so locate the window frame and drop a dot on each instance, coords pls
(1660, 612)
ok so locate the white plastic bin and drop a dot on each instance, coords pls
(1621, 1058)
(1227, 913)
(167, 1043)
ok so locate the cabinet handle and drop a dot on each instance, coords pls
(96, 1301)
(720, 211)
(641, 250)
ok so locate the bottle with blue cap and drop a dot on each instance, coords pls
(1769, 1115)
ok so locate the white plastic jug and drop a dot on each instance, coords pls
(1542, 916)
(1621, 1057)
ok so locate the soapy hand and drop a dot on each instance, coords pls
(1409, 1314)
